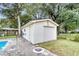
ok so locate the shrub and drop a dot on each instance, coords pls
(72, 32)
(76, 38)
(61, 37)
(72, 37)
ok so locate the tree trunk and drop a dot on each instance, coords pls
(65, 27)
(19, 25)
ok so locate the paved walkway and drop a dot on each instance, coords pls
(25, 48)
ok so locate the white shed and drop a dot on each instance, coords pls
(38, 31)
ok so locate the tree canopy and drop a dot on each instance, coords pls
(66, 15)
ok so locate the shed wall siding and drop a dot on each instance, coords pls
(39, 35)
(36, 33)
(54, 30)
(29, 33)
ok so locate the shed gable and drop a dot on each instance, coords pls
(39, 21)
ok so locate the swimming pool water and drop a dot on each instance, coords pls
(2, 44)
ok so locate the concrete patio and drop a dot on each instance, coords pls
(24, 48)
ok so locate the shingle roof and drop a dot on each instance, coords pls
(41, 20)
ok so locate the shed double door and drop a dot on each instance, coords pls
(48, 33)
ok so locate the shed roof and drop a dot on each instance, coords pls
(41, 20)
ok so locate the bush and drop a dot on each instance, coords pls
(72, 32)
(76, 38)
(61, 37)
(72, 37)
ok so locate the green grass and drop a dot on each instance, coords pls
(7, 37)
(63, 47)
(68, 36)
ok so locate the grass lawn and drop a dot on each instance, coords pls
(68, 36)
(62, 47)
(7, 37)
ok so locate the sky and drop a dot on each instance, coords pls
(1, 16)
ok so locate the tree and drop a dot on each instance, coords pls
(4, 23)
(13, 11)
(64, 14)
(35, 11)
(69, 19)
